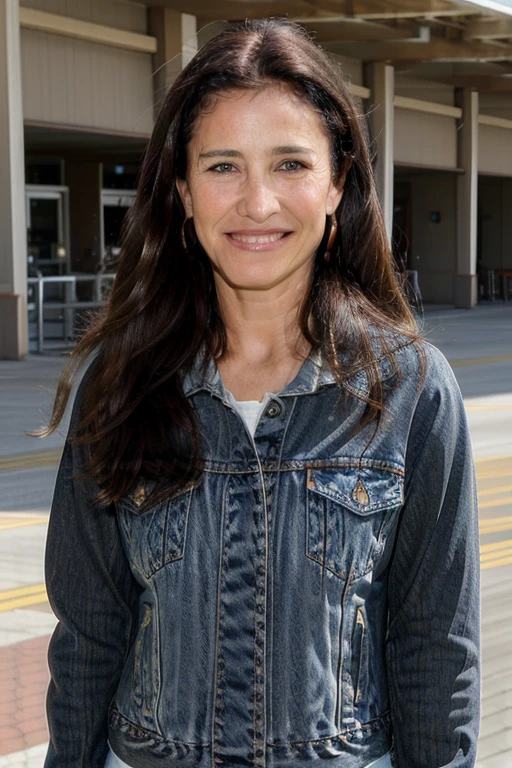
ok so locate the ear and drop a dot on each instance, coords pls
(185, 196)
(334, 196)
(335, 192)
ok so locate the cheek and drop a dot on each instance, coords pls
(310, 192)
(211, 203)
(307, 201)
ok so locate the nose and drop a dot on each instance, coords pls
(258, 199)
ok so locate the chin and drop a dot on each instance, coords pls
(250, 280)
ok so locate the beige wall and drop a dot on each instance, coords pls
(423, 139)
(207, 30)
(434, 246)
(73, 82)
(496, 104)
(352, 69)
(426, 90)
(494, 149)
(122, 14)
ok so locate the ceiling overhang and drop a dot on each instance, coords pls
(406, 33)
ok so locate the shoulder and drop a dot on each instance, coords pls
(419, 361)
(82, 379)
(419, 381)
(432, 369)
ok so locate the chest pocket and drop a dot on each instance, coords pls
(349, 513)
(157, 537)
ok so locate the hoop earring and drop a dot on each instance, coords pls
(184, 243)
(332, 237)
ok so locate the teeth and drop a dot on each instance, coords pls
(258, 239)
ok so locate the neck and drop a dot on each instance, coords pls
(263, 326)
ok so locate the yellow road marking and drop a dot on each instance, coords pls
(493, 520)
(493, 491)
(7, 524)
(495, 524)
(22, 597)
(480, 361)
(488, 407)
(7, 594)
(494, 467)
(502, 457)
(496, 554)
(494, 459)
(492, 555)
(496, 563)
(23, 602)
(485, 549)
(496, 502)
(47, 458)
(493, 475)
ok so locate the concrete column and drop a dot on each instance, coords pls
(13, 230)
(176, 35)
(380, 78)
(467, 196)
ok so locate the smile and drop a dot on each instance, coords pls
(271, 238)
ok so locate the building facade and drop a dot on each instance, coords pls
(80, 81)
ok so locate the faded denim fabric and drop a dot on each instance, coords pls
(315, 596)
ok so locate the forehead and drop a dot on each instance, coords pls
(261, 113)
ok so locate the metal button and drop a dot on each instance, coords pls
(273, 410)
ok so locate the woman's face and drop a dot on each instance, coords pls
(259, 186)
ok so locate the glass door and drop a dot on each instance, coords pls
(115, 203)
(46, 211)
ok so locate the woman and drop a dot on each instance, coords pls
(263, 541)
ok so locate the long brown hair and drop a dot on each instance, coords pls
(162, 312)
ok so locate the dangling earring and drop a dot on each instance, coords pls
(184, 236)
(332, 237)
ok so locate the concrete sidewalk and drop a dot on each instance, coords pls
(479, 345)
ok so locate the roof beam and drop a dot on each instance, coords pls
(436, 49)
(488, 29)
(419, 14)
(343, 29)
(482, 83)
(410, 9)
(56, 24)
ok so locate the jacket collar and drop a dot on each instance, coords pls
(313, 375)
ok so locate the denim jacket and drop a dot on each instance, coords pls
(314, 596)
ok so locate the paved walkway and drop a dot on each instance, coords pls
(479, 345)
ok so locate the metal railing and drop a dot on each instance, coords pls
(70, 305)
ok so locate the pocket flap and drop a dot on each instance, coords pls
(362, 490)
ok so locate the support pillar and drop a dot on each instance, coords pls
(467, 196)
(380, 78)
(176, 35)
(13, 232)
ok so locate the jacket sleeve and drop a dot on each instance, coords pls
(432, 646)
(94, 596)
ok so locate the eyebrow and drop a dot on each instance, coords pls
(285, 150)
(292, 150)
(220, 153)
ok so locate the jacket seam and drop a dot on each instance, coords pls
(340, 735)
(114, 712)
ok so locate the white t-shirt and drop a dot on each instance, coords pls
(250, 410)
